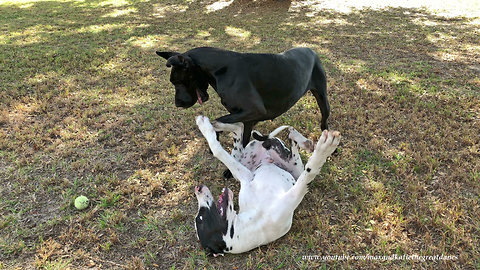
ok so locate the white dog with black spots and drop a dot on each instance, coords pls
(273, 183)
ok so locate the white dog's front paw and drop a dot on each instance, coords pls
(209, 133)
(200, 119)
(205, 126)
(328, 142)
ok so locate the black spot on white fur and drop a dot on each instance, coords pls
(308, 169)
(210, 226)
(276, 145)
(231, 231)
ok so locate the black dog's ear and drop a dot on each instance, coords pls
(166, 55)
(180, 60)
(185, 60)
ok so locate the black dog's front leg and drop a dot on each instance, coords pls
(246, 108)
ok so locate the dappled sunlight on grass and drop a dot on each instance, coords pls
(87, 108)
(149, 42)
(110, 3)
(24, 3)
(161, 10)
(120, 12)
(469, 8)
(30, 35)
(241, 35)
(100, 27)
(352, 66)
(218, 5)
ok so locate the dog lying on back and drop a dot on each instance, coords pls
(273, 183)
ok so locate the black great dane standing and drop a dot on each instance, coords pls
(252, 87)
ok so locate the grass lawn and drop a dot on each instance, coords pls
(86, 107)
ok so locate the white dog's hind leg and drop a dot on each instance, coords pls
(238, 171)
(298, 138)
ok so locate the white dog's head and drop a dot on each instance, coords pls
(213, 220)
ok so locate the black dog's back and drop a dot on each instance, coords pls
(282, 79)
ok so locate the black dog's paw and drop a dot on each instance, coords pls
(227, 174)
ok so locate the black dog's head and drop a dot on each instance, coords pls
(190, 82)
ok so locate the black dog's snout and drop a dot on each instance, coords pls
(180, 103)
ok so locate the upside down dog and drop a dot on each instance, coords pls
(273, 183)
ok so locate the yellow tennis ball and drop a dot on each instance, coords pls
(81, 202)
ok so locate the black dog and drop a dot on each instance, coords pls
(252, 87)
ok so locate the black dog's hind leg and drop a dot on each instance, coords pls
(324, 108)
(318, 87)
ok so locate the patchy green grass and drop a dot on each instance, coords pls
(86, 108)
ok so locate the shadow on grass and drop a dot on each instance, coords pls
(86, 106)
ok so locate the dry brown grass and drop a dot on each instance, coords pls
(86, 108)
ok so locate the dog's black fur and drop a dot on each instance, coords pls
(252, 87)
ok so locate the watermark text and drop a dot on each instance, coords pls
(394, 257)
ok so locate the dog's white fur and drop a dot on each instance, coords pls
(271, 186)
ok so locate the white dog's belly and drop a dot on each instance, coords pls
(270, 176)
(259, 230)
(268, 185)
